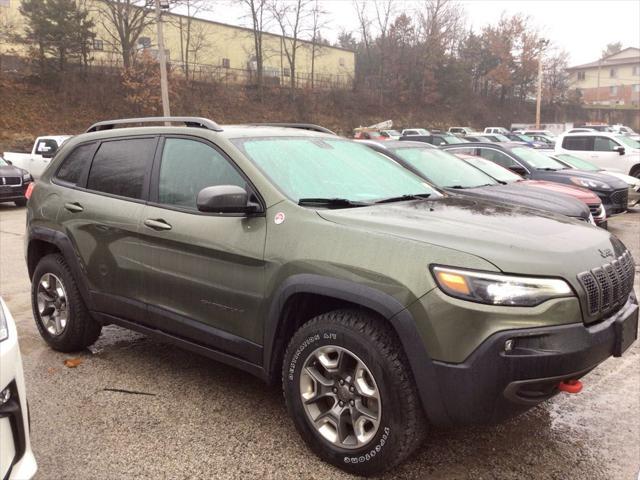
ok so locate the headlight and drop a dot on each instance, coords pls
(597, 184)
(26, 178)
(4, 328)
(497, 289)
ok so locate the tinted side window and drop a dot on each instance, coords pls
(497, 157)
(584, 144)
(187, 167)
(75, 163)
(604, 144)
(121, 166)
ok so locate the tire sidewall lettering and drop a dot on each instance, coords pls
(313, 339)
(377, 449)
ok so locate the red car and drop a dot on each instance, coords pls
(502, 174)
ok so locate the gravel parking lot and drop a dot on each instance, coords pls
(194, 418)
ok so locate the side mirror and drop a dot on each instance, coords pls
(225, 199)
(620, 149)
(49, 154)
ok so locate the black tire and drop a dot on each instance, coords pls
(402, 424)
(81, 329)
(21, 203)
(635, 171)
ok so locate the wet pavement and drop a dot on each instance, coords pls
(136, 407)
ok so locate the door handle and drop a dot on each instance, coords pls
(74, 207)
(157, 224)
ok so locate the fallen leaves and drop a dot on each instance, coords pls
(72, 362)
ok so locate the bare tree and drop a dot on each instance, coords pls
(124, 21)
(291, 19)
(318, 22)
(186, 25)
(256, 12)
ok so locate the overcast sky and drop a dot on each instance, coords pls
(581, 27)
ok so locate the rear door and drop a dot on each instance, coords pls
(108, 184)
(204, 275)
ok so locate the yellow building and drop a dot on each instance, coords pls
(216, 50)
(612, 80)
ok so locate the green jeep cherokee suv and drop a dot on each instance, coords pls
(381, 304)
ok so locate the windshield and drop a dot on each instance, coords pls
(318, 167)
(443, 169)
(500, 138)
(524, 138)
(578, 163)
(629, 142)
(536, 159)
(392, 133)
(493, 170)
(452, 139)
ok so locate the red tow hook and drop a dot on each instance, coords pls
(570, 386)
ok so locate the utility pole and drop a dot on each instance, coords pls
(543, 44)
(539, 99)
(164, 88)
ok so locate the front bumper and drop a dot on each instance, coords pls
(493, 384)
(11, 193)
(16, 457)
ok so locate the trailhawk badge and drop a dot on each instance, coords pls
(279, 218)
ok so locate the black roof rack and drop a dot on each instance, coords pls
(188, 122)
(303, 126)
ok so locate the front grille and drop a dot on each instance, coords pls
(607, 287)
(10, 181)
(620, 198)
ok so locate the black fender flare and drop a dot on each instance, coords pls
(68, 251)
(421, 364)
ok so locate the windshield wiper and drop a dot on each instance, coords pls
(549, 169)
(331, 202)
(457, 187)
(402, 198)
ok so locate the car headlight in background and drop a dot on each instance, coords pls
(587, 183)
(26, 177)
(4, 328)
(498, 289)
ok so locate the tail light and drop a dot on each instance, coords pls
(29, 191)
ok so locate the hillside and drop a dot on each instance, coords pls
(32, 107)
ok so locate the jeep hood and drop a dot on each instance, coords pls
(514, 239)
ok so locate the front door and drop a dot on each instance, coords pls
(204, 275)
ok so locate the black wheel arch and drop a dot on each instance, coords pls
(278, 329)
(43, 241)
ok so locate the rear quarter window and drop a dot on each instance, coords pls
(75, 164)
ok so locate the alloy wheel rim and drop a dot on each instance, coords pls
(340, 397)
(52, 304)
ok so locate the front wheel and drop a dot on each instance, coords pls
(350, 392)
(62, 318)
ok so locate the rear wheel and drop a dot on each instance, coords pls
(60, 313)
(350, 392)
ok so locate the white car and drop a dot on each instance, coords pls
(44, 148)
(461, 131)
(415, 131)
(609, 151)
(500, 130)
(16, 458)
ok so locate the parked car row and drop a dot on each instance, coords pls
(384, 284)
